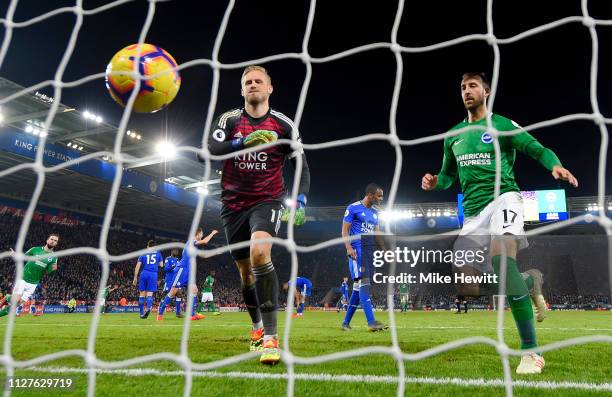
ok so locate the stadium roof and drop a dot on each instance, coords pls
(69, 189)
(75, 130)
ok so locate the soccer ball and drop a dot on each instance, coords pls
(154, 94)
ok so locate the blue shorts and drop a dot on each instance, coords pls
(168, 282)
(355, 268)
(306, 290)
(181, 277)
(147, 281)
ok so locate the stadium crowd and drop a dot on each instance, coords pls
(78, 276)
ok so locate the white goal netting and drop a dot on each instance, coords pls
(95, 365)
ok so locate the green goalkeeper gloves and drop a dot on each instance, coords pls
(259, 137)
(300, 212)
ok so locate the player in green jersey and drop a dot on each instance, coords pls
(207, 295)
(33, 272)
(105, 293)
(5, 305)
(404, 290)
(470, 156)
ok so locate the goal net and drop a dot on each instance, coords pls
(59, 83)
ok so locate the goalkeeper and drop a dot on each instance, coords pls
(252, 189)
(470, 156)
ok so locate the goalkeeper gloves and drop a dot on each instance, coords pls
(255, 138)
(300, 212)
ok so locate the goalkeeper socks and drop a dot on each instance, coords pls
(366, 302)
(162, 306)
(300, 308)
(353, 304)
(141, 301)
(149, 303)
(519, 301)
(266, 284)
(177, 306)
(528, 279)
(252, 305)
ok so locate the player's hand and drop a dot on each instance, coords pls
(300, 212)
(259, 137)
(300, 216)
(559, 172)
(429, 182)
(134, 282)
(350, 251)
(215, 231)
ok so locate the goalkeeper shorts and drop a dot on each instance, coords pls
(238, 226)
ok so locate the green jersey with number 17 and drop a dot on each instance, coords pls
(471, 156)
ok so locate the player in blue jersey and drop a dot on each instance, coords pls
(147, 282)
(170, 265)
(181, 277)
(303, 289)
(343, 302)
(361, 218)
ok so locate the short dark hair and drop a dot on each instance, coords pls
(174, 252)
(478, 75)
(372, 188)
(53, 234)
(199, 230)
(150, 243)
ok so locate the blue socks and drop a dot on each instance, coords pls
(353, 304)
(162, 306)
(366, 302)
(177, 306)
(141, 301)
(300, 308)
(194, 306)
(149, 303)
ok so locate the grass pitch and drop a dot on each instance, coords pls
(581, 370)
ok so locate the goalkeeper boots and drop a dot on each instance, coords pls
(377, 326)
(536, 294)
(531, 363)
(257, 339)
(270, 355)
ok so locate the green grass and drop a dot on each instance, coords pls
(124, 336)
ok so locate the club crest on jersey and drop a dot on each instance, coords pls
(219, 135)
(486, 137)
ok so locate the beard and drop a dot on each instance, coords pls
(256, 99)
(476, 103)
